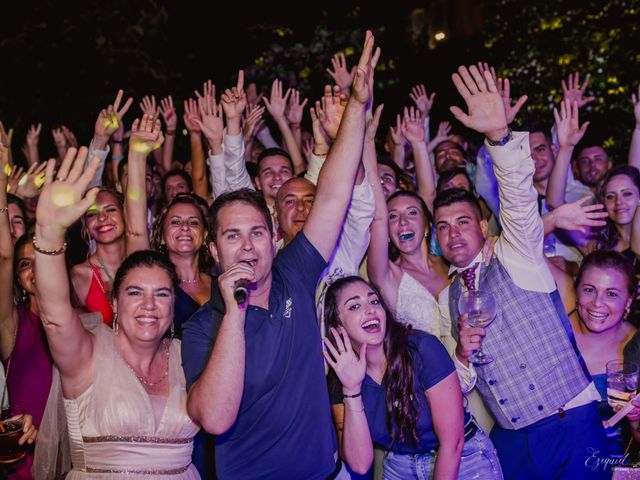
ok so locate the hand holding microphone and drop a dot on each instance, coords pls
(235, 283)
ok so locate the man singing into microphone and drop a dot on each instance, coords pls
(255, 372)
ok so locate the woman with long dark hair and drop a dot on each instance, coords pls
(23, 345)
(180, 232)
(401, 393)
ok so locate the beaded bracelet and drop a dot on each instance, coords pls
(37, 248)
(4, 209)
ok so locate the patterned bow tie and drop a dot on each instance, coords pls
(469, 277)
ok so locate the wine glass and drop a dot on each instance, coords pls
(480, 307)
(622, 383)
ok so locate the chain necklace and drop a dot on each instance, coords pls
(143, 380)
(104, 268)
(195, 280)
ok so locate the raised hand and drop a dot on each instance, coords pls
(412, 125)
(504, 89)
(64, 200)
(295, 109)
(321, 141)
(252, 121)
(210, 121)
(371, 127)
(349, 367)
(169, 113)
(70, 137)
(362, 88)
(396, 133)
(307, 148)
(570, 132)
(208, 90)
(423, 101)
(577, 216)
(191, 115)
(30, 183)
(146, 135)
(5, 136)
(635, 100)
(277, 102)
(573, 92)
(330, 109)
(14, 175)
(486, 109)
(58, 138)
(33, 135)
(341, 73)
(148, 106)
(234, 100)
(109, 120)
(443, 134)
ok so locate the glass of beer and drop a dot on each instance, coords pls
(10, 433)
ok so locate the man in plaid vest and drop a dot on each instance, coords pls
(537, 388)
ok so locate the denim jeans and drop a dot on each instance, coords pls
(479, 461)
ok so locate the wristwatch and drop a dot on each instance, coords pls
(503, 141)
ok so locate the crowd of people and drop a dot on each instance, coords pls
(288, 304)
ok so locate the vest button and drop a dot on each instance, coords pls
(492, 382)
(532, 387)
(540, 407)
(523, 366)
(502, 401)
(514, 419)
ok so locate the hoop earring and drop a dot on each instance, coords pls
(172, 330)
(627, 311)
(114, 325)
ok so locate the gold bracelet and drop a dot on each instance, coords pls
(170, 132)
(37, 248)
(4, 209)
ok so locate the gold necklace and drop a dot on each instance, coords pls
(143, 380)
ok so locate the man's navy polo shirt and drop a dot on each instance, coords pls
(284, 427)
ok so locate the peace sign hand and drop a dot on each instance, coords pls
(349, 367)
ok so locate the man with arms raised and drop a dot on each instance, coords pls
(537, 387)
(255, 371)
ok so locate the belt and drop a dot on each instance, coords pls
(470, 429)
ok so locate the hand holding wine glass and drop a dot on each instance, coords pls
(479, 309)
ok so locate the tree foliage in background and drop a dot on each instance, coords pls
(300, 58)
(538, 44)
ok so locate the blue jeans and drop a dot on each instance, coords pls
(479, 461)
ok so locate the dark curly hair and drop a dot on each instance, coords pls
(402, 407)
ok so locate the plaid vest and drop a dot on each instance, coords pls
(537, 368)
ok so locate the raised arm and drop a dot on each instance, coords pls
(8, 314)
(413, 131)
(214, 399)
(338, 174)
(276, 105)
(380, 269)
(33, 137)
(171, 121)
(357, 447)
(146, 136)
(108, 121)
(62, 202)
(295, 112)
(570, 132)
(341, 75)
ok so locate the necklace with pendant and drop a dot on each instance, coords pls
(146, 382)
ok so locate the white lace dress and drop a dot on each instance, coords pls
(417, 307)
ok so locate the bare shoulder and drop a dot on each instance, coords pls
(81, 279)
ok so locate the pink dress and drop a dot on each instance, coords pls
(112, 430)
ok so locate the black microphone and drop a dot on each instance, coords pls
(241, 291)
